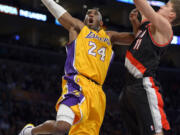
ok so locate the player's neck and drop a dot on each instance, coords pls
(96, 29)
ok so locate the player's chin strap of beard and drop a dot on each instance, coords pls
(56, 10)
(96, 28)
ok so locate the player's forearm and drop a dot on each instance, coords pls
(59, 13)
(48, 127)
(146, 10)
(122, 38)
(135, 24)
(127, 38)
(62, 15)
(56, 10)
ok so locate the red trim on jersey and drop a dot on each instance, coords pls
(164, 122)
(143, 21)
(135, 62)
(157, 44)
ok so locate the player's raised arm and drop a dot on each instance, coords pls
(63, 16)
(159, 22)
(126, 38)
(133, 17)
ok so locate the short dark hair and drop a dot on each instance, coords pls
(97, 9)
(176, 8)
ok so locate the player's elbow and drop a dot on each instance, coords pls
(66, 20)
(61, 127)
(55, 127)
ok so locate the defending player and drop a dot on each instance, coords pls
(141, 104)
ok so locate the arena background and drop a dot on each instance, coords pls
(32, 56)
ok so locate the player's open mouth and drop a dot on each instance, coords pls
(90, 20)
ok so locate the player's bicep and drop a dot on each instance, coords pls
(162, 25)
(69, 22)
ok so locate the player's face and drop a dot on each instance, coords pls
(166, 10)
(93, 19)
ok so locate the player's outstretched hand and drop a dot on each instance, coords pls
(27, 130)
(133, 15)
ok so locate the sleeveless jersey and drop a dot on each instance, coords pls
(89, 55)
(143, 56)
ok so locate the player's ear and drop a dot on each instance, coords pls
(85, 19)
(101, 23)
(172, 15)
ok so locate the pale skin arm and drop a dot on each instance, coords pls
(143, 17)
(133, 17)
(161, 28)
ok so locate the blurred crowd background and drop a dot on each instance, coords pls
(32, 57)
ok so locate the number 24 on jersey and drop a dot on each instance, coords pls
(101, 51)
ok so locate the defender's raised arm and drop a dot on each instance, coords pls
(161, 21)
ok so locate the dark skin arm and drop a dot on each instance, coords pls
(51, 127)
(126, 38)
(69, 22)
(73, 25)
(121, 38)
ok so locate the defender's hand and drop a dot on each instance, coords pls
(133, 15)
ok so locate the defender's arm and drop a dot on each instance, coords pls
(159, 22)
(133, 17)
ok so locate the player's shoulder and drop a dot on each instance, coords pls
(109, 33)
(85, 29)
(159, 38)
